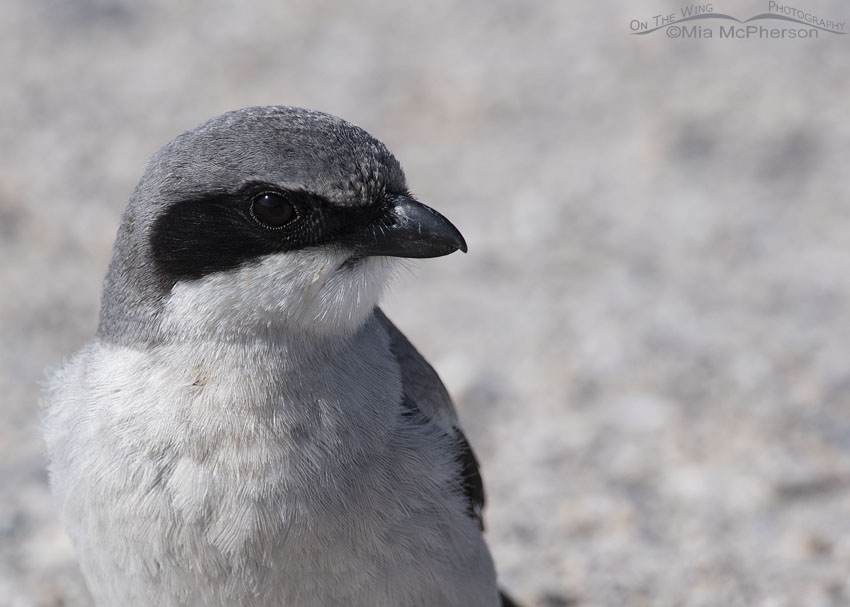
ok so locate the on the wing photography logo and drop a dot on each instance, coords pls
(781, 21)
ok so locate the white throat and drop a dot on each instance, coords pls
(301, 295)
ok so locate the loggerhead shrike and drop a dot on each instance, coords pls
(247, 428)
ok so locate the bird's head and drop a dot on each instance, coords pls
(264, 219)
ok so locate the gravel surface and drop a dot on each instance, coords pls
(648, 341)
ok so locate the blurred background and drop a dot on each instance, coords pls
(648, 340)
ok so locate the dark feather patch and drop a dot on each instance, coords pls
(506, 601)
(217, 231)
(471, 482)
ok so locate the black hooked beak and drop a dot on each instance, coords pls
(410, 229)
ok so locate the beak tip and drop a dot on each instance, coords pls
(452, 233)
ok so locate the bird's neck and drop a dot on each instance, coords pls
(267, 376)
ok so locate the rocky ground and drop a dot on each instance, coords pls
(648, 341)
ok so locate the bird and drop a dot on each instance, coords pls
(247, 427)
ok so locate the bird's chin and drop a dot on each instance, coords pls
(342, 299)
(328, 293)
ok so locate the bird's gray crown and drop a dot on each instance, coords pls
(293, 147)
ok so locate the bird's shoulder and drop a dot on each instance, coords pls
(427, 400)
(421, 384)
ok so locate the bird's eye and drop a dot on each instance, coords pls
(272, 210)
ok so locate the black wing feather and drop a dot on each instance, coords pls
(471, 482)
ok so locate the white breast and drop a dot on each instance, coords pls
(241, 474)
